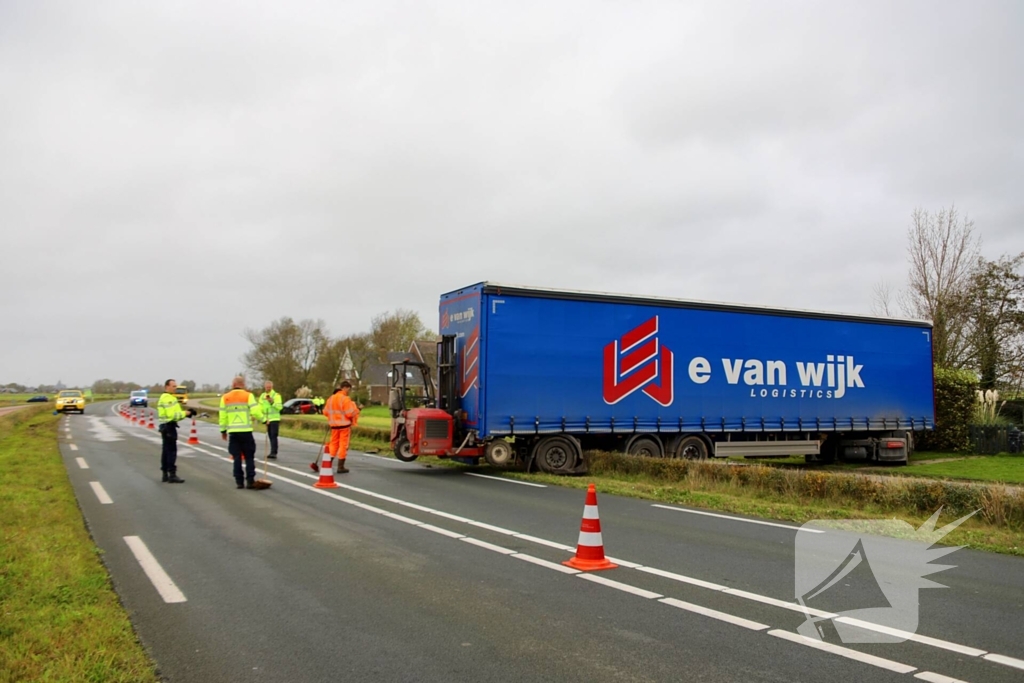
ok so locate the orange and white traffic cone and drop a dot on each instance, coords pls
(326, 480)
(590, 549)
(193, 436)
(135, 416)
(151, 425)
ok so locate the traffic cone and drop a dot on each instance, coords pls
(193, 437)
(135, 416)
(590, 549)
(151, 425)
(326, 480)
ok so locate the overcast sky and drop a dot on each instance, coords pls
(172, 173)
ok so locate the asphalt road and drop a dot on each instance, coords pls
(417, 573)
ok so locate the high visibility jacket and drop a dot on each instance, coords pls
(270, 403)
(341, 411)
(238, 408)
(168, 409)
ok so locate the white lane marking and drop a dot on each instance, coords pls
(488, 546)
(159, 578)
(843, 652)
(442, 531)
(507, 481)
(72, 446)
(624, 587)
(1007, 661)
(622, 563)
(908, 635)
(681, 578)
(82, 464)
(739, 519)
(100, 492)
(715, 614)
(544, 563)
(533, 539)
(933, 677)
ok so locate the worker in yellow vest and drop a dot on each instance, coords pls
(270, 403)
(238, 408)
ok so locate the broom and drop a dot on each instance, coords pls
(264, 483)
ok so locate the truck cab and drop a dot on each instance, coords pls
(181, 393)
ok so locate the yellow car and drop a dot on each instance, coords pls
(69, 400)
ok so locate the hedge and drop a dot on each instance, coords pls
(954, 412)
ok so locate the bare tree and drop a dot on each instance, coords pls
(996, 315)
(395, 332)
(943, 253)
(883, 300)
(286, 352)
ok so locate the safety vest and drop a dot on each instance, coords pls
(341, 411)
(168, 409)
(270, 403)
(238, 408)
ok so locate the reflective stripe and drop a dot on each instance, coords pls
(591, 539)
(590, 512)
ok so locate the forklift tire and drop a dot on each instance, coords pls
(403, 450)
(498, 453)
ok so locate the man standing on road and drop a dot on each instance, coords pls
(270, 403)
(169, 413)
(238, 408)
(342, 414)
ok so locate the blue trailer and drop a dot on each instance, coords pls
(541, 375)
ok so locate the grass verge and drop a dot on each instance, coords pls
(60, 619)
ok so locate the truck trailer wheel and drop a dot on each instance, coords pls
(403, 450)
(644, 447)
(498, 453)
(692, 448)
(555, 455)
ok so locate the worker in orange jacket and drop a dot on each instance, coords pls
(342, 415)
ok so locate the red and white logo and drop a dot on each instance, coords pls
(638, 361)
(469, 362)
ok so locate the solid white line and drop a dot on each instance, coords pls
(715, 614)
(82, 463)
(681, 578)
(488, 546)
(739, 519)
(792, 606)
(1007, 661)
(625, 587)
(507, 481)
(98, 489)
(932, 677)
(439, 530)
(907, 635)
(843, 652)
(159, 578)
(72, 446)
(544, 563)
(543, 541)
(622, 563)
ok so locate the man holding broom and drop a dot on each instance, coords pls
(342, 414)
(238, 408)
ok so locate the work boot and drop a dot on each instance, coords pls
(173, 479)
(341, 466)
(250, 485)
(315, 467)
(239, 484)
(166, 477)
(272, 456)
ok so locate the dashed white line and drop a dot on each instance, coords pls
(543, 541)
(507, 481)
(739, 519)
(907, 635)
(933, 677)
(488, 546)
(681, 578)
(100, 492)
(1007, 661)
(82, 463)
(715, 614)
(442, 531)
(624, 587)
(72, 446)
(843, 652)
(544, 563)
(792, 606)
(159, 578)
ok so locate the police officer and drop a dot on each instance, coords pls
(238, 408)
(270, 403)
(169, 413)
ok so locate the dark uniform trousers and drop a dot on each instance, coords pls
(272, 428)
(169, 454)
(239, 444)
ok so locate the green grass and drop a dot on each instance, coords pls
(1007, 469)
(60, 619)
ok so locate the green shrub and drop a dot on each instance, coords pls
(954, 411)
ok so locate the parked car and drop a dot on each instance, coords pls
(38, 399)
(298, 406)
(139, 398)
(70, 399)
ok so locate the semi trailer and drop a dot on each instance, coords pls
(538, 376)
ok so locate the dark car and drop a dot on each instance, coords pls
(38, 399)
(298, 406)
